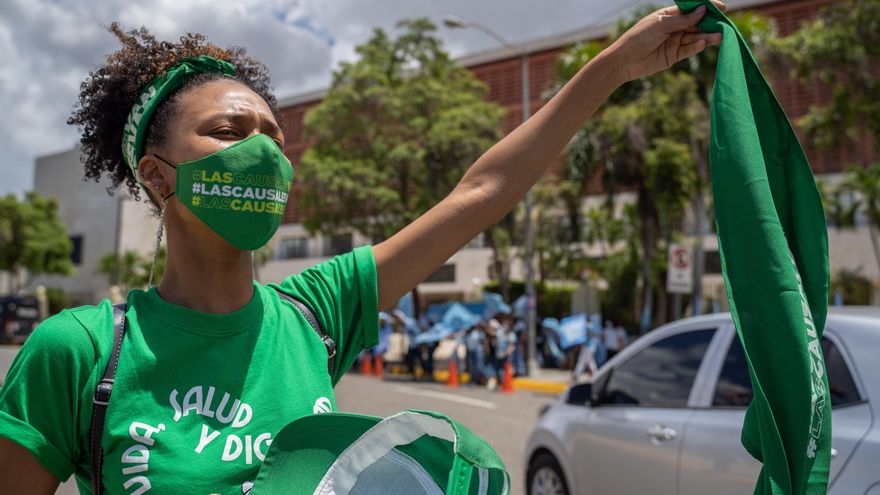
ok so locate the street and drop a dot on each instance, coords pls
(504, 420)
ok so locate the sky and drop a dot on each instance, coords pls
(47, 47)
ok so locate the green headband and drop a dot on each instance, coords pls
(155, 92)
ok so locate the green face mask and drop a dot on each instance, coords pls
(240, 192)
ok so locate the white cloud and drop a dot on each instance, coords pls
(48, 46)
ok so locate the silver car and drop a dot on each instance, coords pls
(665, 415)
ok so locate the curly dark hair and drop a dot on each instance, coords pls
(109, 92)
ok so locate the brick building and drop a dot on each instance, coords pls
(500, 70)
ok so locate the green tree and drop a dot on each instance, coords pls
(394, 134)
(650, 138)
(32, 239)
(853, 287)
(260, 257)
(131, 269)
(864, 186)
(620, 264)
(558, 254)
(840, 49)
(643, 147)
(837, 214)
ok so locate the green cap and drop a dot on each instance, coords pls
(412, 453)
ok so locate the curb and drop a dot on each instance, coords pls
(541, 386)
(530, 384)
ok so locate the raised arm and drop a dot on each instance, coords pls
(500, 178)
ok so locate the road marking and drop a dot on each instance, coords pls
(450, 397)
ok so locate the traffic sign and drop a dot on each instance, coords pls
(680, 273)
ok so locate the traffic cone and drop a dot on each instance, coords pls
(452, 379)
(507, 381)
(377, 367)
(366, 365)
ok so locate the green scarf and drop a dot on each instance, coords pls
(774, 256)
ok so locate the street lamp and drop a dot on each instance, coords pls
(456, 22)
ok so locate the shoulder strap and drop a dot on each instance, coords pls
(316, 326)
(102, 398)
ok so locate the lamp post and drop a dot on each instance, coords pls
(455, 22)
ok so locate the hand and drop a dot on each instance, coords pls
(660, 40)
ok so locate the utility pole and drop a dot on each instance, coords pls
(455, 22)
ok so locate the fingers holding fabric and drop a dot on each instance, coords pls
(672, 19)
(709, 38)
(691, 44)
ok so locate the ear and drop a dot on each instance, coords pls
(158, 178)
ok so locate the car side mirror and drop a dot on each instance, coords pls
(580, 394)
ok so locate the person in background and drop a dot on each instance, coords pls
(592, 353)
(505, 345)
(494, 330)
(426, 354)
(520, 330)
(475, 342)
(596, 341)
(614, 337)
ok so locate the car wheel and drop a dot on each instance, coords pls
(545, 477)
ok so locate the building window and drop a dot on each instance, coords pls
(445, 273)
(293, 247)
(338, 244)
(76, 252)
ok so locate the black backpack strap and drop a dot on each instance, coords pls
(316, 326)
(102, 398)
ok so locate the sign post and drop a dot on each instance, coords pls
(680, 274)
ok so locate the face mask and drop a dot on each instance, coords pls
(240, 192)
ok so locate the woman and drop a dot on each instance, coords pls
(213, 363)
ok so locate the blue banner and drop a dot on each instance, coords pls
(573, 331)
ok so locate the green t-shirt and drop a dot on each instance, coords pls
(197, 397)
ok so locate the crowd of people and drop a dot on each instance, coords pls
(481, 345)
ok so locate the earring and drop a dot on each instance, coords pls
(159, 233)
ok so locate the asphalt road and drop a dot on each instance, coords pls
(504, 420)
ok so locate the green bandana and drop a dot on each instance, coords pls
(774, 256)
(155, 92)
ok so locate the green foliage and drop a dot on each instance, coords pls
(853, 286)
(558, 256)
(32, 237)
(651, 138)
(395, 133)
(837, 212)
(840, 49)
(620, 266)
(132, 270)
(865, 184)
(57, 299)
(622, 271)
(671, 176)
(260, 257)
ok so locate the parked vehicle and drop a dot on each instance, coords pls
(665, 415)
(19, 316)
